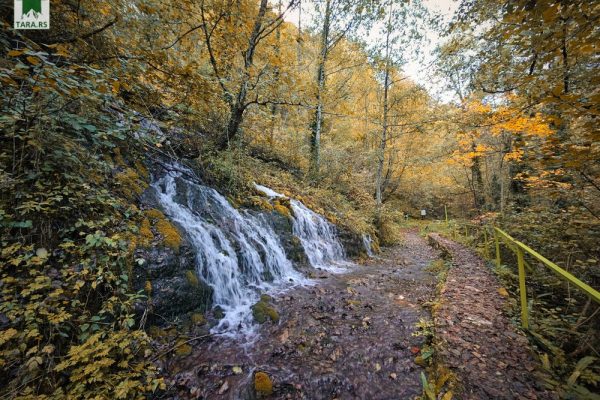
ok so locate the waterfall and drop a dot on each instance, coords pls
(238, 253)
(317, 235)
(367, 243)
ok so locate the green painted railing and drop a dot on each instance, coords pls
(520, 249)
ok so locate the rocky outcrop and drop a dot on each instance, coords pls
(169, 279)
(352, 242)
(283, 227)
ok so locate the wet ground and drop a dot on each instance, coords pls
(348, 337)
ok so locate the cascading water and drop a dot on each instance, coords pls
(238, 253)
(317, 235)
(368, 244)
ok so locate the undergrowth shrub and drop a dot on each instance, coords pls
(66, 317)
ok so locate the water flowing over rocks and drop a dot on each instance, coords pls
(350, 336)
(235, 254)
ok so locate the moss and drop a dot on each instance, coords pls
(145, 233)
(333, 219)
(133, 242)
(262, 310)
(130, 183)
(119, 158)
(198, 319)
(155, 214)
(263, 384)
(170, 234)
(142, 170)
(375, 246)
(218, 312)
(260, 202)
(282, 210)
(183, 350)
(156, 332)
(265, 298)
(192, 278)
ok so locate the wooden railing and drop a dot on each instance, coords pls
(520, 249)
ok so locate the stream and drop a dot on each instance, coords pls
(348, 336)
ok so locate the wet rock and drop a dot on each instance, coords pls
(169, 280)
(218, 313)
(283, 226)
(352, 242)
(262, 311)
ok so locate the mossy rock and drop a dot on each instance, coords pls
(183, 350)
(155, 214)
(198, 319)
(170, 234)
(192, 278)
(141, 169)
(265, 298)
(130, 183)
(218, 312)
(156, 332)
(263, 310)
(145, 233)
(263, 384)
(282, 210)
(259, 202)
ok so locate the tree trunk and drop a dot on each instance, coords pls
(274, 108)
(384, 130)
(238, 107)
(477, 179)
(316, 126)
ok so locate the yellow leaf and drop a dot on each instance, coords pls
(503, 292)
(15, 53)
(6, 335)
(448, 395)
(61, 50)
(550, 14)
(33, 60)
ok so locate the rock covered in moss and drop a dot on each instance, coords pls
(198, 319)
(262, 384)
(262, 310)
(218, 313)
(175, 289)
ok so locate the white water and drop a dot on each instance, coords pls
(317, 235)
(217, 230)
(367, 243)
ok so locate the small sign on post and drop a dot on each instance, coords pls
(423, 213)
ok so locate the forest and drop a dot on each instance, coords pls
(182, 180)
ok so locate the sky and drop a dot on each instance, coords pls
(419, 71)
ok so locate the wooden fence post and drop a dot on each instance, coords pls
(522, 288)
(486, 250)
(498, 261)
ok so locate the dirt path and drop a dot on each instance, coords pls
(348, 337)
(489, 355)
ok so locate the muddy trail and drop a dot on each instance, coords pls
(349, 337)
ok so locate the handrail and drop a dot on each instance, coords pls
(520, 249)
(590, 291)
